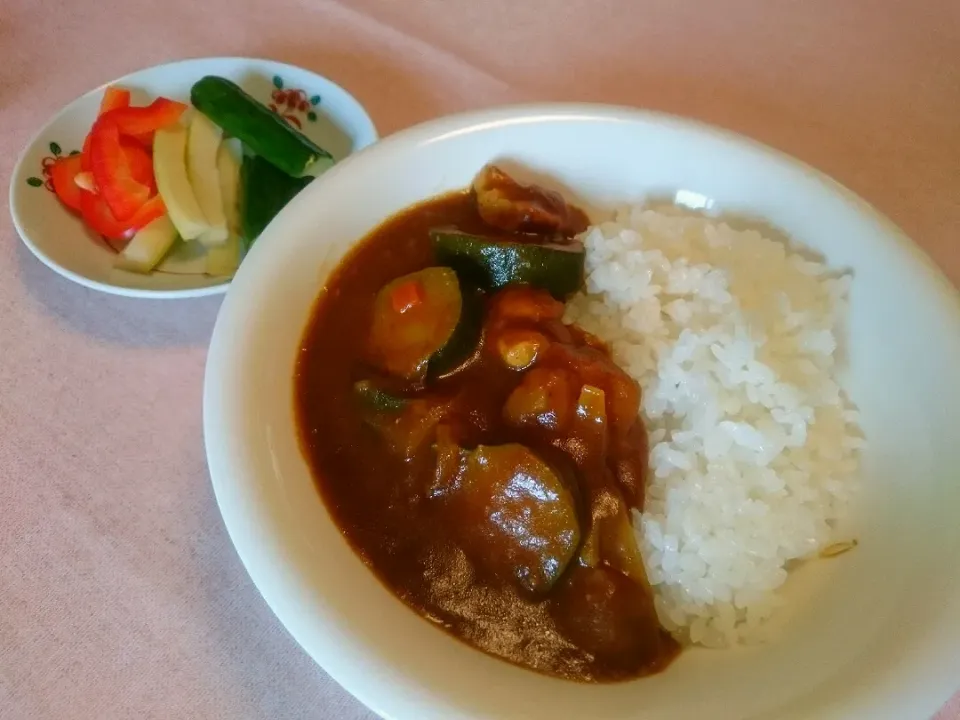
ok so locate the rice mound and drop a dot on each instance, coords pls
(754, 449)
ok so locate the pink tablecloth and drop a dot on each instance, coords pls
(120, 595)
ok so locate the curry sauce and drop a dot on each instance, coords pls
(491, 495)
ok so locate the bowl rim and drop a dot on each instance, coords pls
(367, 131)
(237, 515)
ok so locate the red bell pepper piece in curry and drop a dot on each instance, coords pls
(406, 296)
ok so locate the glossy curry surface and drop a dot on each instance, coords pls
(491, 495)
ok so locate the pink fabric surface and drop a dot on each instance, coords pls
(120, 594)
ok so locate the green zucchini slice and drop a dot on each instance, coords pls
(493, 263)
(424, 324)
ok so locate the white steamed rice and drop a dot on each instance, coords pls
(754, 448)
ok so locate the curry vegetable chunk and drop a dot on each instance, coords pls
(518, 517)
(421, 323)
(495, 263)
(481, 455)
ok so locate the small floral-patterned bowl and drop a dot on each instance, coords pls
(322, 110)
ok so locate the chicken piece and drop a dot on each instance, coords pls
(509, 205)
(544, 400)
(594, 367)
(630, 464)
(450, 463)
(408, 430)
(521, 303)
(606, 614)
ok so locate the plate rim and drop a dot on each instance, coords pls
(229, 492)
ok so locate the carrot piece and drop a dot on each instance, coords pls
(407, 296)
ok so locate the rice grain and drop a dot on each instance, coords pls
(755, 450)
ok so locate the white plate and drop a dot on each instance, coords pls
(324, 111)
(876, 636)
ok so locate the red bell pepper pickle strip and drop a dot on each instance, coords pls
(148, 212)
(135, 121)
(63, 173)
(97, 216)
(111, 170)
(114, 98)
(140, 161)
